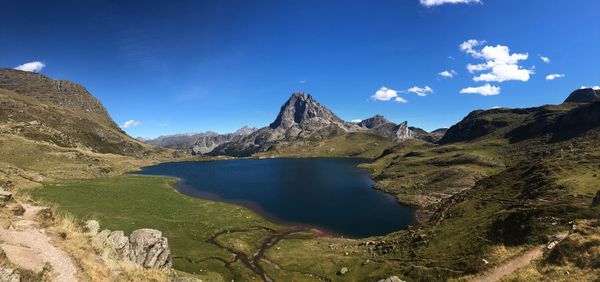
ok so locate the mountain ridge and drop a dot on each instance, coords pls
(301, 118)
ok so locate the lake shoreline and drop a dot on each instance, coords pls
(182, 185)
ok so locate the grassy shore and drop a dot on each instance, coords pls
(130, 202)
(205, 235)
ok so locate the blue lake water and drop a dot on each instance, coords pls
(330, 194)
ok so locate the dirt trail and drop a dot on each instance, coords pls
(511, 266)
(29, 247)
(514, 264)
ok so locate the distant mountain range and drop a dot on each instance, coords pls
(300, 118)
(198, 143)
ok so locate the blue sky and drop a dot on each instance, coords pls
(189, 66)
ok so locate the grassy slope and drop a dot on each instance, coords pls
(363, 145)
(57, 125)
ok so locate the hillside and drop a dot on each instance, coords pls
(502, 181)
(58, 129)
(61, 93)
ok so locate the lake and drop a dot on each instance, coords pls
(331, 194)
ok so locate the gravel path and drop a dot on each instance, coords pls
(30, 248)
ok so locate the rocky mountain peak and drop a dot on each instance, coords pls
(373, 122)
(584, 95)
(302, 111)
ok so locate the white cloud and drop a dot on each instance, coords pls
(420, 91)
(469, 45)
(545, 59)
(431, 3)
(596, 87)
(356, 120)
(500, 64)
(387, 94)
(400, 100)
(485, 90)
(36, 66)
(384, 94)
(448, 74)
(131, 123)
(554, 76)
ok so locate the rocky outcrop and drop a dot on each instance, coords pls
(144, 248)
(584, 95)
(150, 249)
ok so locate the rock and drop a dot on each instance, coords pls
(343, 271)
(19, 210)
(46, 215)
(149, 249)
(596, 200)
(144, 248)
(5, 196)
(9, 275)
(117, 246)
(91, 226)
(392, 279)
(98, 240)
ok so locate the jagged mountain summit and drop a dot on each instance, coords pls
(300, 118)
(584, 95)
(301, 115)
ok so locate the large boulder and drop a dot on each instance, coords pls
(145, 248)
(149, 249)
